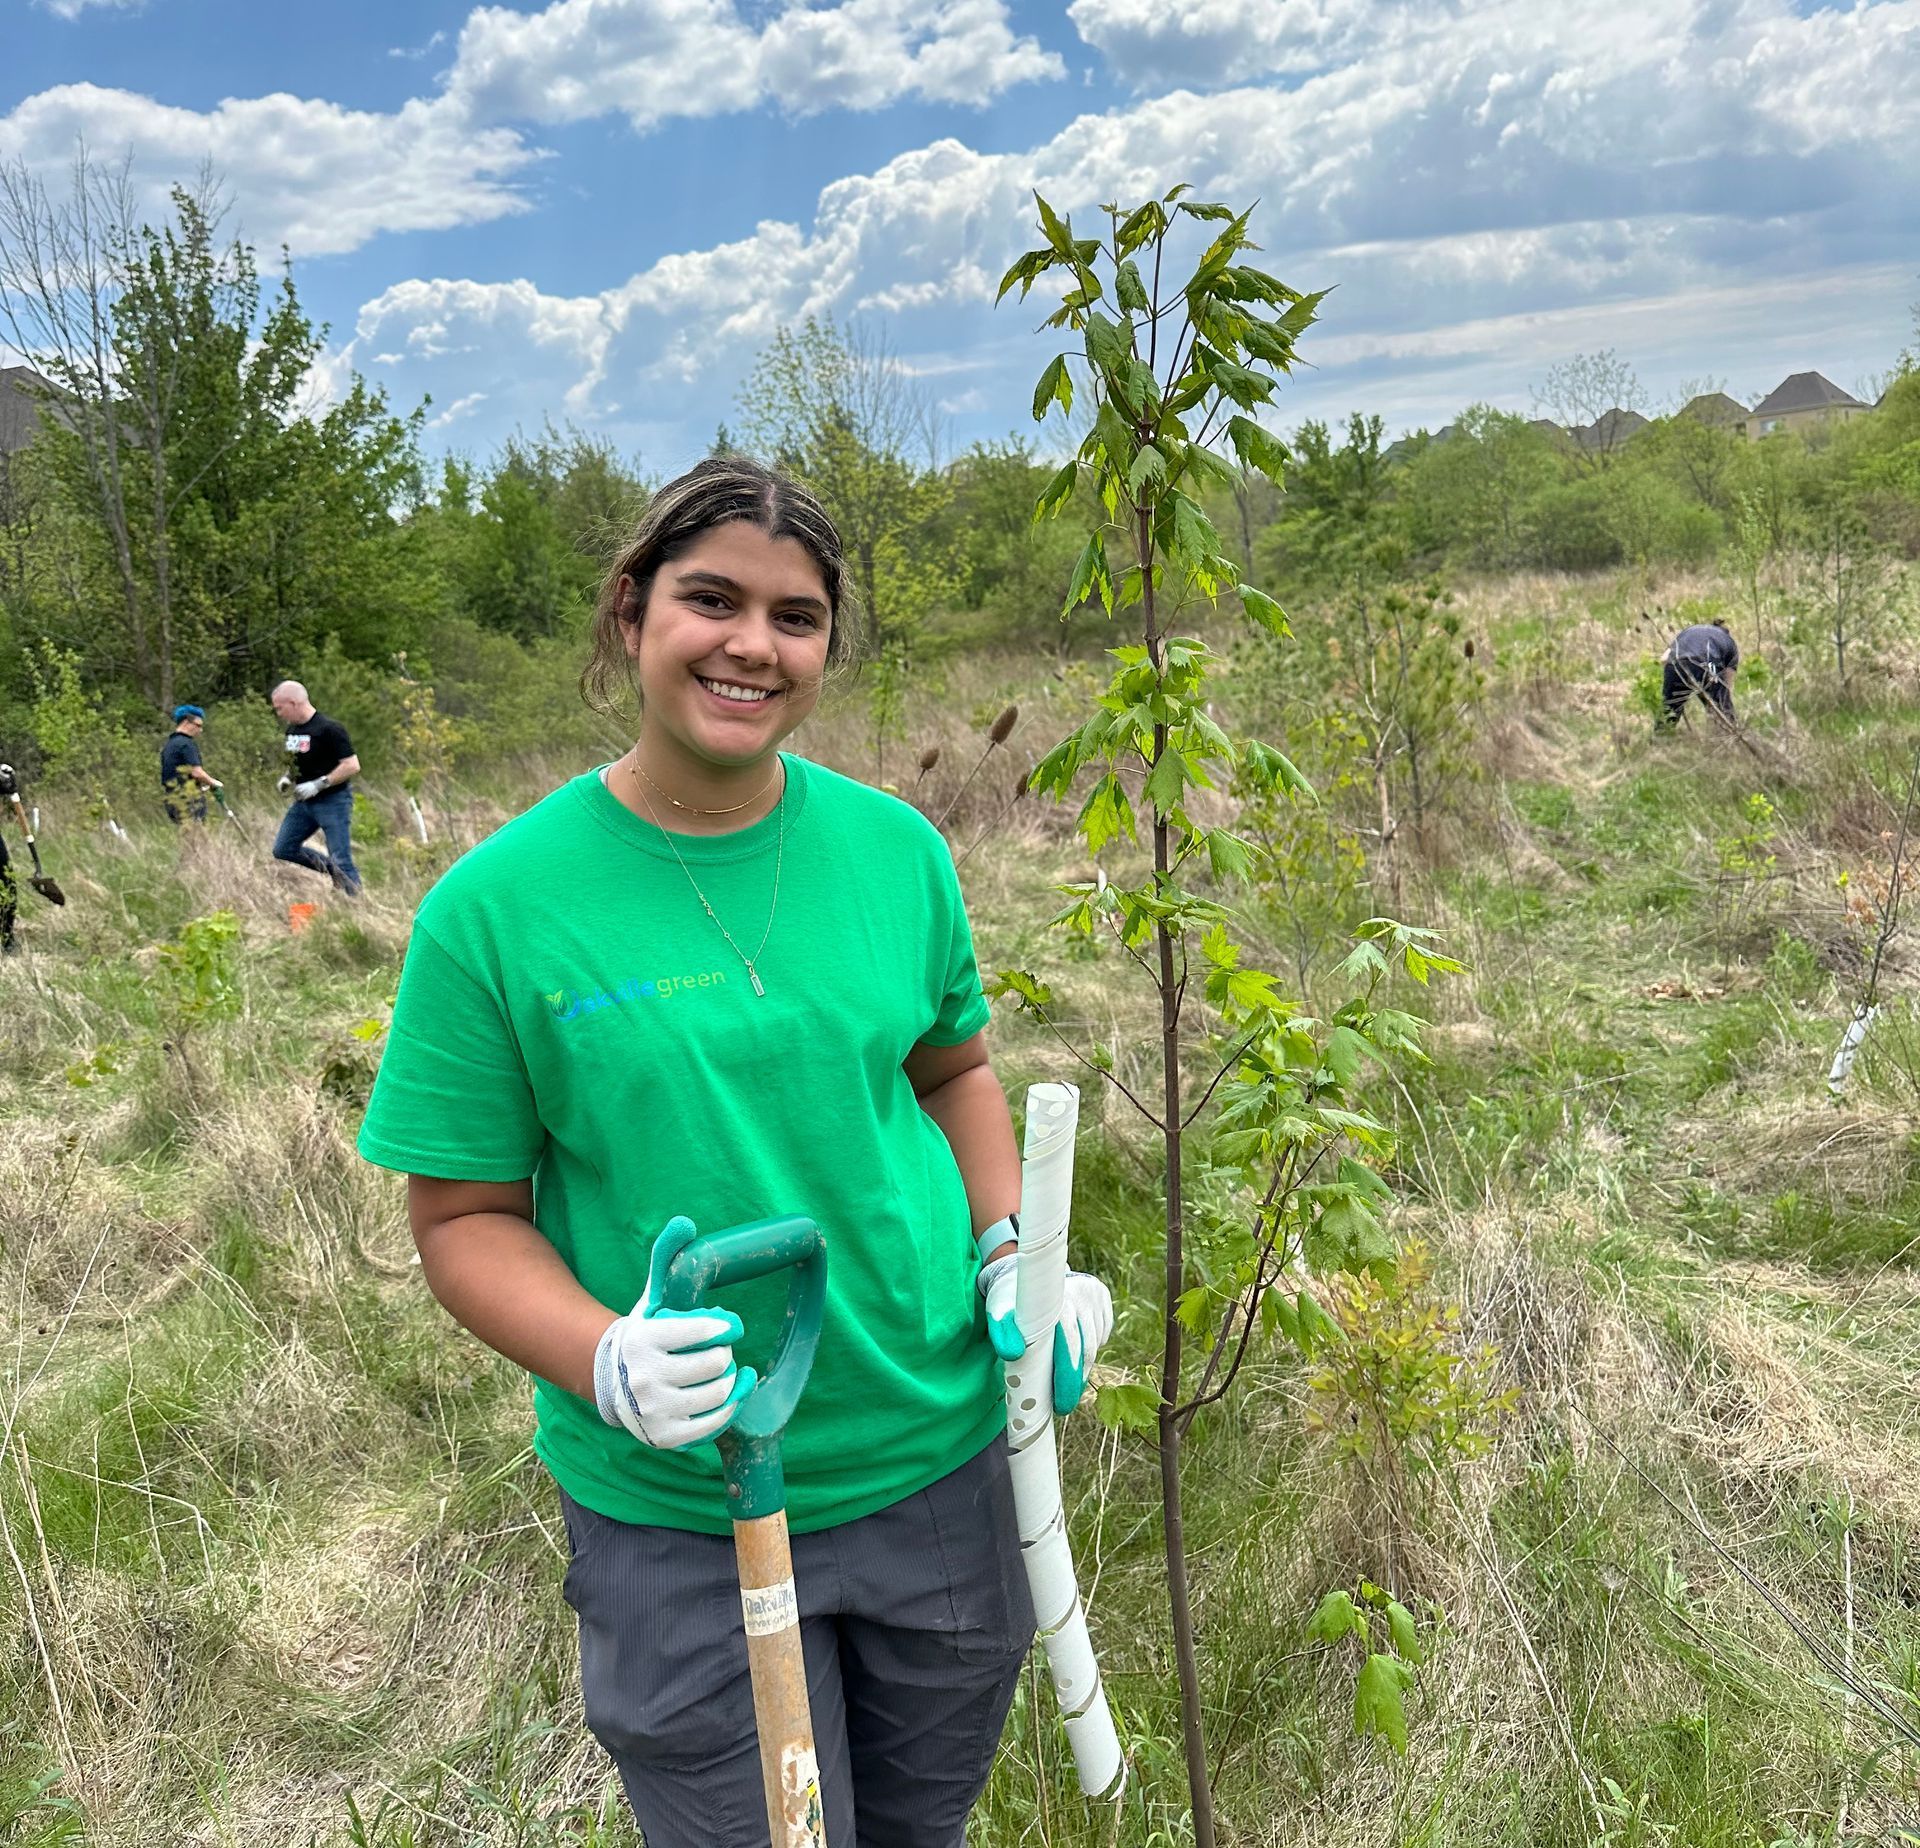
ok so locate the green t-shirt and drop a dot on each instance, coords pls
(569, 1012)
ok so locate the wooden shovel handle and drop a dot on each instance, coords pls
(788, 1766)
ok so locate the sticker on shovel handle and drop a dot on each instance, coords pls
(769, 1608)
(800, 1797)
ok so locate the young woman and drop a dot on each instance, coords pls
(717, 982)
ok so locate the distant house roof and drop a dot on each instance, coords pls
(1610, 429)
(1714, 407)
(20, 406)
(1805, 391)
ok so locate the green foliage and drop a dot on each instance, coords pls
(1166, 374)
(1474, 495)
(1647, 694)
(1746, 865)
(424, 738)
(1399, 1391)
(525, 553)
(79, 745)
(1748, 851)
(201, 966)
(1389, 1641)
(34, 1812)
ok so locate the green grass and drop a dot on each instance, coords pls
(283, 1568)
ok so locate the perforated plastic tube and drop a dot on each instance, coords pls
(1046, 1201)
(1863, 1018)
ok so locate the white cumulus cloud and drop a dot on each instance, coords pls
(323, 178)
(311, 175)
(651, 60)
(72, 9)
(1485, 170)
(459, 408)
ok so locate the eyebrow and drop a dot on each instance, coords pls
(713, 580)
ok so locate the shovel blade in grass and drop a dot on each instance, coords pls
(41, 881)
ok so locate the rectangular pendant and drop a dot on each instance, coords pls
(753, 975)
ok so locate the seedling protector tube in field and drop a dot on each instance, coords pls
(1046, 1201)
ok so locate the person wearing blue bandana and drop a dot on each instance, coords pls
(181, 769)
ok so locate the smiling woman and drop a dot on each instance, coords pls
(822, 1056)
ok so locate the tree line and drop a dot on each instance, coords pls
(190, 524)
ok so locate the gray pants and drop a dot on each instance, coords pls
(915, 1621)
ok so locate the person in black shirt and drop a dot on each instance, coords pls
(180, 767)
(9, 893)
(320, 767)
(1702, 659)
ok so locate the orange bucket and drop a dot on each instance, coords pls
(299, 916)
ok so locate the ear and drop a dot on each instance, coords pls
(631, 606)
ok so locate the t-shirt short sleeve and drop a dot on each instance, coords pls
(190, 752)
(452, 1099)
(963, 1009)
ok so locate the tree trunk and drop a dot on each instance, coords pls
(1389, 847)
(1192, 1717)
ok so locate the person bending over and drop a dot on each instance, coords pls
(1701, 660)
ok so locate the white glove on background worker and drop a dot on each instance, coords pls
(668, 1375)
(1086, 1316)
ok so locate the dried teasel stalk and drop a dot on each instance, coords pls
(1022, 786)
(997, 735)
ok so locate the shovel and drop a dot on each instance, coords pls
(226, 808)
(48, 888)
(757, 1501)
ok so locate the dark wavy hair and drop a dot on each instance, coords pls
(711, 493)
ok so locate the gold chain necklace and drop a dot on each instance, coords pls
(779, 854)
(687, 808)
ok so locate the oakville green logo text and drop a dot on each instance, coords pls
(566, 1004)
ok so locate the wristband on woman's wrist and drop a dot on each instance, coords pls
(1002, 1232)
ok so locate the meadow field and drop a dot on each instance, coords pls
(281, 1568)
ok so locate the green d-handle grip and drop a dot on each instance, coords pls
(750, 1445)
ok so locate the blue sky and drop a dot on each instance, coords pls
(599, 210)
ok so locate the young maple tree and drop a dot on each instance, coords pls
(1268, 1155)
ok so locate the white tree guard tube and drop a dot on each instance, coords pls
(1046, 1200)
(1863, 1017)
(419, 820)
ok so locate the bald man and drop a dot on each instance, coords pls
(321, 765)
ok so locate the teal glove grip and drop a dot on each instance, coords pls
(996, 1286)
(1069, 1376)
(1002, 1330)
(677, 1235)
(750, 1446)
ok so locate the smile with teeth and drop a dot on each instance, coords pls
(733, 690)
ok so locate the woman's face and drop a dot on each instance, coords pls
(730, 653)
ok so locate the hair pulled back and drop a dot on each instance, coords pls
(712, 493)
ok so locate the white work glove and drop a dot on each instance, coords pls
(312, 787)
(667, 1375)
(1086, 1318)
(284, 784)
